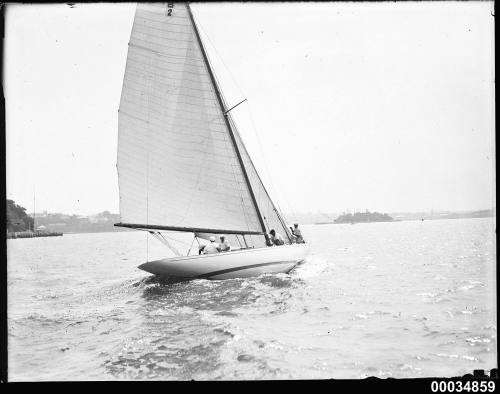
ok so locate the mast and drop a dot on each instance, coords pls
(226, 119)
(34, 213)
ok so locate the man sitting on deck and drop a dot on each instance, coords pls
(212, 247)
(276, 238)
(224, 245)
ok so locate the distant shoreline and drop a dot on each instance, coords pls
(103, 222)
(402, 220)
(305, 224)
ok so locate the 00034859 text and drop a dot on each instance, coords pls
(458, 386)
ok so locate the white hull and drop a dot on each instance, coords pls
(228, 265)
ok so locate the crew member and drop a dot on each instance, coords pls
(298, 234)
(224, 245)
(276, 238)
(212, 247)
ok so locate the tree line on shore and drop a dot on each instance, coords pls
(364, 217)
(17, 218)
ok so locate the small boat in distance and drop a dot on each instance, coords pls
(182, 164)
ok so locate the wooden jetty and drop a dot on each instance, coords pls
(32, 234)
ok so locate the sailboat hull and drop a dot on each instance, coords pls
(229, 265)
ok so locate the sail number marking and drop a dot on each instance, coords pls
(170, 7)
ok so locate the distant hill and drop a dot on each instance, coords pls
(363, 217)
(328, 218)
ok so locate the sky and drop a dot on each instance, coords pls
(350, 106)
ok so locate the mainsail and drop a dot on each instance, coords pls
(180, 164)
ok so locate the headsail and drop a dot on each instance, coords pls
(177, 165)
(272, 217)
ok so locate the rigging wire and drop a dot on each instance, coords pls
(260, 146)
(192, 243)
(176, 240)
(242, 190)
(220, 58)
(265, 161)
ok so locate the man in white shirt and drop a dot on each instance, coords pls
(224, 245)
(276, 238)
(212, 247)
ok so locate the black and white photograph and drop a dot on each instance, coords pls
(250, 191)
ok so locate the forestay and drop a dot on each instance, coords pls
(177, 165)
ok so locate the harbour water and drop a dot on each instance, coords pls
(402, 299)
